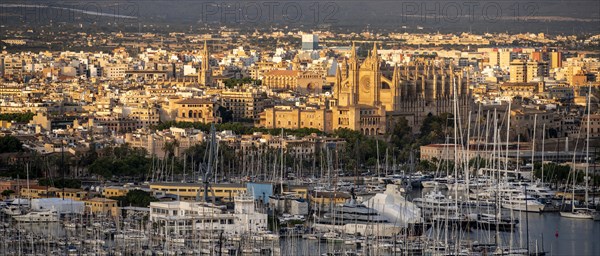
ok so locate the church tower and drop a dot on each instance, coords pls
(204, 72)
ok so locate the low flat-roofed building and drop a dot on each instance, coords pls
(114, 191)
(189, 191)
(325, 198)
(433, 152)
(102, 206)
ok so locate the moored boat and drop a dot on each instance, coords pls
(44, 216)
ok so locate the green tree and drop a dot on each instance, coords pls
(225, 114)
(17, 117)
(403, 138)
(426, 166)
(137, 198)
(121, 161)
(9, 143)
(7, 193)
(556, 173)
(434, 128)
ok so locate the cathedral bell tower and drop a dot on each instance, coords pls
(204, 73)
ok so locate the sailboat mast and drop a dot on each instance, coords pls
(282, 162)
(455, 140)
(507, 136)
(587, 144)
(533, 146)
(543, 146)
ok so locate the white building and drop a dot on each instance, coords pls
(181, 218)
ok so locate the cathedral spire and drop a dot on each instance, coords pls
(338, 77)
(396, 75)
(205, 57)
(353, 52)
(374, 52)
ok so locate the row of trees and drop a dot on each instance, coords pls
(121, 161)
(434, 129)
(17, 117)
(561, 174)
(360, 151)
(232, 82)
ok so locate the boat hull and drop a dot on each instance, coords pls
(41, 219)
(573, 215)
(372, 229)
(523, 208)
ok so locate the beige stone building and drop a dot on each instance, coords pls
(154, 143)
(146, 116)
(118, 124)
(523, 121)
(244, 104)
(303, 81)
(297, 117)
(536, 69)
(13, 66)
(281, 79)
(41, 119)
(258, 70)
(196, 110)
(522, 89)
(555, 60)
(594, 125)
(518, 71)
(115, 71)
(102, 206)
(433, 152)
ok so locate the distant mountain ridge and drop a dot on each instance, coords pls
(552, 16)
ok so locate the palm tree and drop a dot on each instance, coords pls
(170, 146)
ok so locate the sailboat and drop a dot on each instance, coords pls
(583, 212)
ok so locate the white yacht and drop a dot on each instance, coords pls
(440, 183)
(394, 206)
(435, 202)
(44, 216)
(353, 218)
(537, 191)
(430, 183)
(522, 203)
(541, 192)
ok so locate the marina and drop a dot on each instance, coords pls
(548, 233)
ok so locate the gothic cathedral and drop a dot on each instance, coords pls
(367, 101)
